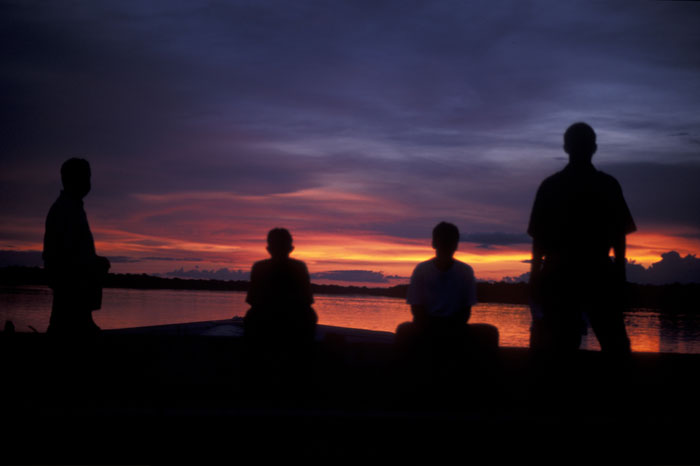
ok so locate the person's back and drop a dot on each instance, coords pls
(280, 291)
(280, 294)
(579, 215)
(280, 326)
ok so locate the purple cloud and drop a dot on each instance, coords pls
(672, 268)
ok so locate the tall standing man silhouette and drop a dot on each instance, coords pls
(579, 215)
(74, 269)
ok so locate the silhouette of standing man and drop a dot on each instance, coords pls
(75, 271)
(579, 215)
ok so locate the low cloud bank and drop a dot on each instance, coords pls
(10, 258)
(354, 276)
(203, 274)
(672, 268)
(350, 276)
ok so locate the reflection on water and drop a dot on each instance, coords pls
(30, 306)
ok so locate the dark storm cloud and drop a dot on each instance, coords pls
(489, 240)
(306, 69)
(660, 194)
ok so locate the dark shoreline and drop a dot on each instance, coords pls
(675, 298)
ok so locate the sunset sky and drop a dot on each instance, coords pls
(357, 125)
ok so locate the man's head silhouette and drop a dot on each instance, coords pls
(75, 176)
(445, 239)
(580, 143)
(279, 243)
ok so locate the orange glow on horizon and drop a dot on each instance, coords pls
(215, 244)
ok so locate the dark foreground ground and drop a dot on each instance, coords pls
(183, 394)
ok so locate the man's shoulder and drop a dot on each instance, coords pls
(428, 267)
(297, 264)
(463, 268)
(555, 178)
(564, 176)
(266, 264)
(63, 205)
(62, 211)
(58, 205)
(261, 265)
(552, 183)
(424, 266)
(55, 209)
(261, 262)
(607, 179)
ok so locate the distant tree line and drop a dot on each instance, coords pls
(673, 297)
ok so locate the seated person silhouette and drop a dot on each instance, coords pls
(280, 322)
(578, 216)
(75, 272)
(441, 293)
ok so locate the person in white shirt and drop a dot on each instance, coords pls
(441, 293)
(442, 289)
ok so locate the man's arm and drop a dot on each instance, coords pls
(253, 296)
(625, 225)
(306, 293)
(419, 312)
(619, 249)
(463, 316)
(536, 270)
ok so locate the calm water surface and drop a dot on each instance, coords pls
(31, 306)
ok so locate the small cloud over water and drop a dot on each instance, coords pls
(203, 274)
(354, 276)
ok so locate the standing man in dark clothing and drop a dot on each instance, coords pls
(75, 271)
(579, 215)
